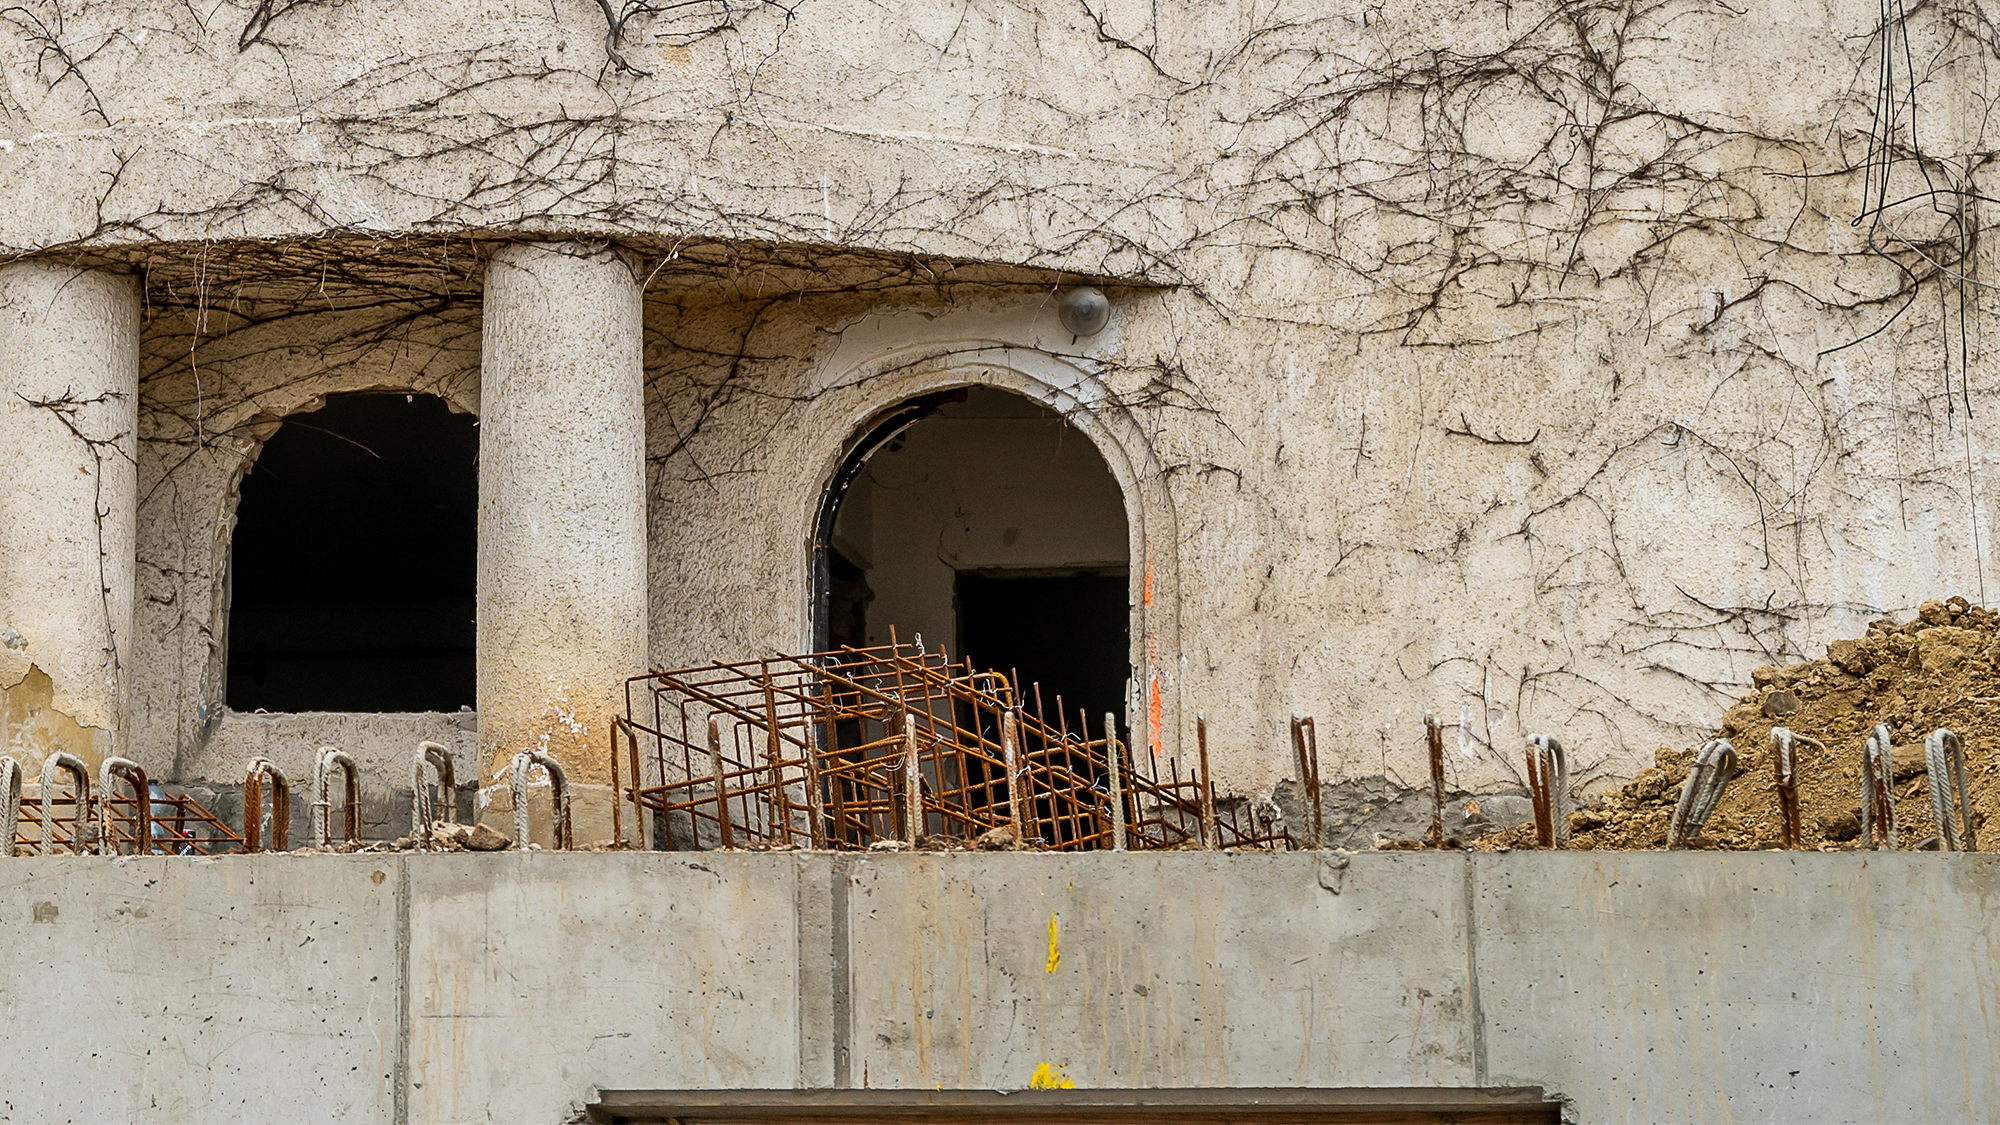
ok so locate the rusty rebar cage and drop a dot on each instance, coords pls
(181, 825)
(854, 747)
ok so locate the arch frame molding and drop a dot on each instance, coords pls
(854, 400)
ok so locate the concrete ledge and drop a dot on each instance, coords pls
(1374, 1106)
(517, 986)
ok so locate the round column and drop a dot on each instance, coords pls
(562, 517)
(69, 400)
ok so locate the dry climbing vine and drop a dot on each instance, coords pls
(1370, 193)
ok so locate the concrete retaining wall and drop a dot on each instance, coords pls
(1640, 987)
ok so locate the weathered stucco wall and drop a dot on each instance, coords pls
(1635, 987)
(1490, 361)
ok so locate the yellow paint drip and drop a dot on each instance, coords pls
(1055, 955)
(1047, 1077)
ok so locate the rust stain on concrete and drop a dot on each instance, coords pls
(31, 728)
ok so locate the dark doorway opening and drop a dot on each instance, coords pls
(1065, 632)
(353, 564)
(981, 522)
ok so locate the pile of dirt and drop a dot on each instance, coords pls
(1940, 670)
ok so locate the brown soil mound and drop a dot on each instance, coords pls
(1936, 671)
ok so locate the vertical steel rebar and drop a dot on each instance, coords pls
(1878, 790)
(836, 798)
(774, 759)
(816, 832)
(1434, 745)
(1210, 836)
(913, 785)
(617, 796)
(10, 803)
(1548, 788)
(1944, 759)
(721, 785)
(1305, 746)
(1114, 758)
(1785, 769)
(1011, 757)
(639, 813)
(1713, 767)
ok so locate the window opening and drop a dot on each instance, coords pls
(353, 563)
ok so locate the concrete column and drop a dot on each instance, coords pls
(562, 516)
(69, 501)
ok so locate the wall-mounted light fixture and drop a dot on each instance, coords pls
(1084, 311)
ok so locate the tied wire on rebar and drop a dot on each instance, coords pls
(1714, 765)
(863, 746)
(1548, 790)
(1878, 790)
(1944, 758)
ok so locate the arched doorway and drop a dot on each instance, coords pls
(352, 567)
(980, 521)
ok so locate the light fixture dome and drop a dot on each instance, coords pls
(1084, 311)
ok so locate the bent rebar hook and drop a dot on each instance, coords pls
(1878, 790)
(255, 774)
(79, 776)
(558, 782)
(1548, 788)
(1944, 758)
(438, 760)
(330, 759)
(142, 796)
(1713, 767)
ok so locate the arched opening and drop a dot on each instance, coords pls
(352, 567)
(981, 521)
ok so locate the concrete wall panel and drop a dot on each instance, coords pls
(535, 977)
(1826, 988)
(1640, 987)
(982, 971)
(181, 990)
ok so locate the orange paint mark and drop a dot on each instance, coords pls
(1146, 598)
(1153, 681)
(1153, 716)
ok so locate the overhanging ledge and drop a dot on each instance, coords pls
(1526, 1105)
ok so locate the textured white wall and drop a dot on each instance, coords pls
(1479, 360)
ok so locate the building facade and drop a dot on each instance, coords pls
(1537, 368)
